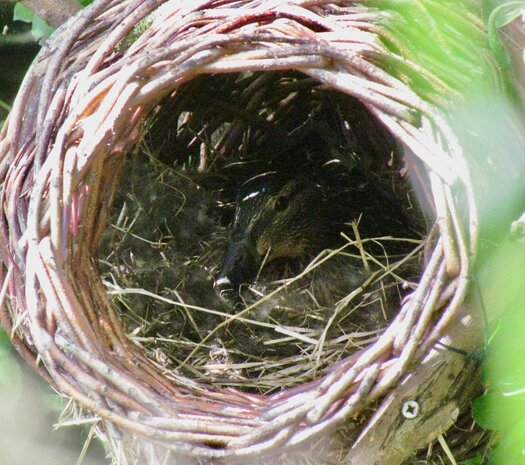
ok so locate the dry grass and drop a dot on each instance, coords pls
(162, 250)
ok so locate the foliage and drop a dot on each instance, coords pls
(10, 374)
(502, 408)
(498, 14)
(502, 282)
(477, 460)
(39, 27)
(451, 53)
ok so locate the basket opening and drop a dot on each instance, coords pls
(224, 138)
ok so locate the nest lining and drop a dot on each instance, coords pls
(293, 328)
(65, 313)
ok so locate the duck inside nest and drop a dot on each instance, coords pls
(262, 272)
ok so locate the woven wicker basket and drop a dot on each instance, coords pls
(82, 106)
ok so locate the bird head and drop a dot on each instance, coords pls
(276, 217)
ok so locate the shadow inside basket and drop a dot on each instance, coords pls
(214, 163)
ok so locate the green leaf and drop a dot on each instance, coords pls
(39, 28)
(507, 13)
(500, 17)
(23, 13)
(510, 450)
(10, 373)
(505, 10)
(55, 402)
(495, 412)
(477, 460)
(5, 106)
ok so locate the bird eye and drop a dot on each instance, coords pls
(281, 203)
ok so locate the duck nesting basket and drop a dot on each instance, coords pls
(422, 70)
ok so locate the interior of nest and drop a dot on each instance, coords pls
(263, 230)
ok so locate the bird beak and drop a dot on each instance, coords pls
(239, 266)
